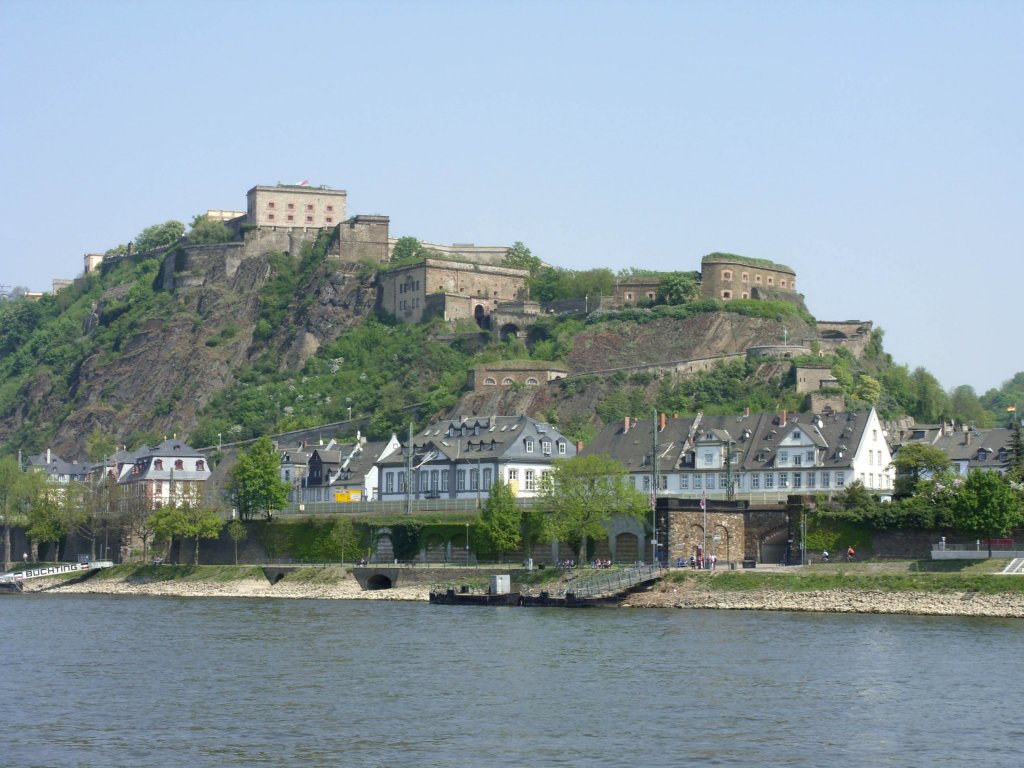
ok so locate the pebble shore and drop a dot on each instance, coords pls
(1009, 605)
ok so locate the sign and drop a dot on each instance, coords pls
(345, 497)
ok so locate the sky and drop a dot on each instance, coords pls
(873, 147)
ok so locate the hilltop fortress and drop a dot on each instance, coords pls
(456, 282)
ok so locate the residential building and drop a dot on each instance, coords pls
(169, 473)
(59, 471)
(346, 472)
(759, 457)
(463, 458)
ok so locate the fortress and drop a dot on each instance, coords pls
(460, 282)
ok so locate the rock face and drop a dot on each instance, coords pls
(170, 366)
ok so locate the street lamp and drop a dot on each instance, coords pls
(467, 544)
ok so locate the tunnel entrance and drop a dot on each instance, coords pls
(378, 581)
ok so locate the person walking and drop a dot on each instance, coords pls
(850, 553)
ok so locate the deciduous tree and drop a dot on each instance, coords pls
(255, 485)
(501, 520)
(581, 494)
(985, 505)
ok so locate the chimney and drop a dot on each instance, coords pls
(579, 446)
(782, 418)
(746, 411)
(967, 438)
(625, 425)
(47, 455)
(661, 423)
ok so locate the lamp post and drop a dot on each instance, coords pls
(467, 544)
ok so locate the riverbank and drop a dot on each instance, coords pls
(958, 603)
(782, 592)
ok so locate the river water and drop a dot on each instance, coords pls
(130, 681)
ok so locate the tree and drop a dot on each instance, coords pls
(678, 287)
(869, 389)
(985, 505)
(1016, 470)
(501, 519)
(581, 494)
(207, 231)
(408, 250)
(237, 532)
(159, 235)
(344, 540)
(12, 501)
(520, 257)
(255, 485)
(186, 521)
(99, 445)
(915, 462)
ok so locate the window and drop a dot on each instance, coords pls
(474, 478)
(200, 465)
(663, 482)
(270, 217)
(489, 381)
(545, 447)
(783, 480)
(291, 206)
(709, 482)
(783, 457)
(696, 482)
(532, 382)
(513, 475)
(488, 482)
(507, 381)
(771, 281)
(309, 207)
(798, 480)
(647, 483)
(840, 479)
(745, 277)
(329, 220)
(158, 464)
(810, 457)
(529, 445)
(782, 283)
(684, 482)
(727, 274)
(871, 480)
(726, 295)
(330, 208)
(461, 480)
(755, 481)
(529, 482)
(270, 204)
(401, 482)
(825, 479)
(561, 448)
(179, 464)
(309, 219)
(290, 217)
(757, 278)
(811, 477)
(709, 459)
(769, 480)
(434, 479)
(444, 480)
(798, 460)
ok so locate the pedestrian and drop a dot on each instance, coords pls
(24, 557)
(850, 553)
(824, 556)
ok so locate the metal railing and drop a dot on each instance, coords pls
(612, 581)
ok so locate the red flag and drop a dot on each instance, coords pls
(304, 183)
(703, 500)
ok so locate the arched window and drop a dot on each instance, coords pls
(489, 381)
(200, 465)
(507, 381)
(782, 282)
(771, 281)
(532, 382)
(158, 464)
(179, 464)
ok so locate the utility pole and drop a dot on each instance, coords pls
(730, 492)
(654, 489)
(408, 473)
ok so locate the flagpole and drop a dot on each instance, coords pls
(704, 508)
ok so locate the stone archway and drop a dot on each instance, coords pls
(508, 330)
(481, 317)
(627, 548)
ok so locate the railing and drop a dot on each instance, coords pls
(610, 582)
(1000, 545)
(389, 507)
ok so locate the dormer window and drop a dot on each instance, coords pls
(529, 445)
(179, 464)
(545, 447)
(158, 464)
(200, 465)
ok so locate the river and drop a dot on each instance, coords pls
(132, 681)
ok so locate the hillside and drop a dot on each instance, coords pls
(230, 341)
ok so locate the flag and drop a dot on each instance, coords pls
(1011, 408)
(703, 500)
(304, 183)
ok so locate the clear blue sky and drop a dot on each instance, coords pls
(874, 147)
